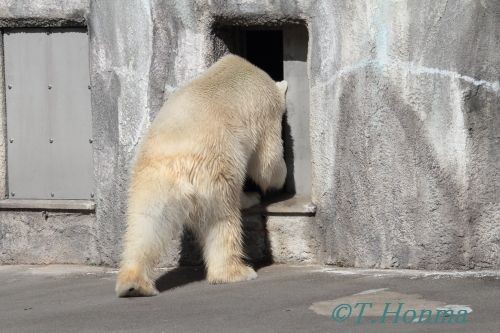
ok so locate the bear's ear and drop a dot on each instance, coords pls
(282, 86)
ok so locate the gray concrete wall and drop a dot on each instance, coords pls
(416, 178)
(404, 125)
(39, 236)
(44, 237)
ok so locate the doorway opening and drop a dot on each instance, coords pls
(281, 51)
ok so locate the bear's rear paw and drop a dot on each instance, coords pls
(232, 274)
(130, 284)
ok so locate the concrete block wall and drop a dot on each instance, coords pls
(404, 126)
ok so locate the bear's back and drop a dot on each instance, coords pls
(222, 104)
(232, 89)
(231, 81)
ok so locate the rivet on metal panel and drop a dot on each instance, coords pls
(49, 86)
(51, 140)
(11, 140)
(91, 141)
(9, 86)
(52, 194)
(12, 194)
(91, 195)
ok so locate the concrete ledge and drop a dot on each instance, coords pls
(284, 206)
(47, 204)
(35, 22)
(29, 13)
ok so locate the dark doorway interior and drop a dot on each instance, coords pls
(264, 48)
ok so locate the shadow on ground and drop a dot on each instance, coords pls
(180, 276)
(191, 267)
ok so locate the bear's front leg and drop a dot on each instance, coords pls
(266, 167)
(132, 282)
(223, 251)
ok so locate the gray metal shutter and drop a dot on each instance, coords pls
(48, 114)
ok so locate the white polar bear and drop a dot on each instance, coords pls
(191, 168)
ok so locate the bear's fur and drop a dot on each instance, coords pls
(191, 168)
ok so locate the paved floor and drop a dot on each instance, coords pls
(283, 299)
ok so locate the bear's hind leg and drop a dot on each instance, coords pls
(223, 251)
(149, 227)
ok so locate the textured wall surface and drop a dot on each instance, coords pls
(39, 237)
(47, 237)
(404, 124)
(416, 171)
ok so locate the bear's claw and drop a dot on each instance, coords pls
(130, 284)
(135, 290)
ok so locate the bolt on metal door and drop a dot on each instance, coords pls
(49, 130)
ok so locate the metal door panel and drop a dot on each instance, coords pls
(37, 168)
(28, 127)
(70, 116)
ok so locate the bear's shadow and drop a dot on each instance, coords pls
(191, 268)
(180, 276)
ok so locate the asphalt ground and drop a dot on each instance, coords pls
(284, 298)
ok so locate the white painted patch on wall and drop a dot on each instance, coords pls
(137, 70)
(446, 132)
(457, 135)
(356, 67)
(382, 16)
(418, 69)
(412, 68)
(189, 62)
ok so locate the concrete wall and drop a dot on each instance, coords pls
(42, 236)
(404, 125)
(416, 179)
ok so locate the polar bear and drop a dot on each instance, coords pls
(191, 167)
